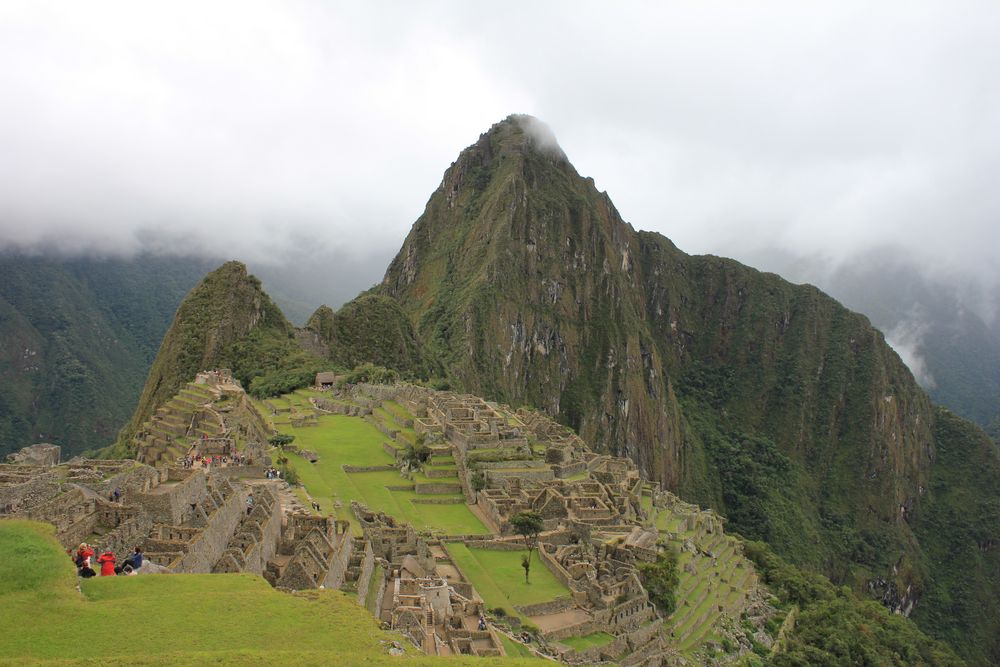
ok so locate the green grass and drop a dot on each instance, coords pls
(514, 649)
(342, 440)
(499, 577)
(588, 641)
(174, 619)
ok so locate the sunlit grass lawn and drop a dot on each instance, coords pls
(341, 440)
(499, 577)
(221, 619)
(588, 641)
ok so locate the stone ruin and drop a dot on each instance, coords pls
(42, 454)
(194, 520)
(419, 593)
(211, 415)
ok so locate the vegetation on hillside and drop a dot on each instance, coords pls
(958, 524)
(79, 337)
(660, 579)
(832, 626)
(227, 321)
(371, 329)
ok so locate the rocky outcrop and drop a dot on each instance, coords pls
(42, 454)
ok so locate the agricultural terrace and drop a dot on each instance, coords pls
(708, 586)
(342, 440)
(499, 578)
(178, 619)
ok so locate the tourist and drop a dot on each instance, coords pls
(85, 552)
(107, 563)
(482, 623)
(249, 503)
(118, 495)
(85, 570)
(135, 560)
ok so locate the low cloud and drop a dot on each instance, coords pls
(907, 339)
(817, 129)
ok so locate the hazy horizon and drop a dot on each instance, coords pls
(306, 138)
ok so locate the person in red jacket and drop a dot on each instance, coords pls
(83, 553)
(107, 561)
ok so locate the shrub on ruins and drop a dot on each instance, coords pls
(660, 580)
(279, 440)
(478, 481)
(284, 380)
(371, 374)
(289, 474)
(416, 455)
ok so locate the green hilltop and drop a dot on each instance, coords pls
(226, 321)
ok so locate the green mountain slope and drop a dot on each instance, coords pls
(78, 338)
(227, 321)
(371, 328)
(766, 400)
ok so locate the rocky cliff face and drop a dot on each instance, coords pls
(528, 282)
(767, 400)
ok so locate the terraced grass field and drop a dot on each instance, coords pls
(341, 440)
(179, 619)
(499, 577)
(588, 641)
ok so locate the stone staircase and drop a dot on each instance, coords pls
(165, 436)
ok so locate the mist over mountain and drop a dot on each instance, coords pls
(944, 326)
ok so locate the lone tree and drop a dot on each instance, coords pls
(528, 525)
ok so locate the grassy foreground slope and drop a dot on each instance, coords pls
(219, 619)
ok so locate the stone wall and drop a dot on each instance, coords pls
(438, 488)
(555, 606)
(381, 468)
(255, 539)
(206, 548)
(172, 505)
(364, 578)
(341, 557)
(569, 469)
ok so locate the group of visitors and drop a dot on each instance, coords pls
(315, 506)
(272, 473)
(216, 460)
(107, 561)
(114, 496)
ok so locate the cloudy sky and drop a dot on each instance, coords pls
(266, 130)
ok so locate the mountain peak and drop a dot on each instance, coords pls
(523, 132)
